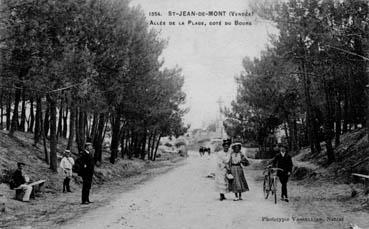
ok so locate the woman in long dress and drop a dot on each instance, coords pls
(239, 184)
(221, 182)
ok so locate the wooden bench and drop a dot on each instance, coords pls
(2, 203)
(365, 184)
(37, 187)
(364, 177)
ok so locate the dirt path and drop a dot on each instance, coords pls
(185, 198)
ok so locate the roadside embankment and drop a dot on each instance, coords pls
(329, 191)
(53, 206)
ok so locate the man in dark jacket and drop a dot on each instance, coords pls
(283, 161)
(87, 172)
(20, 180)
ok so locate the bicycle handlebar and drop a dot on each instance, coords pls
(275, 169)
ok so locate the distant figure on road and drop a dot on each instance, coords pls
(283, 161)
(87, 172)
(221, 181)
(20, 180)
(66, 164)
(238, 185)
(183, 152)
(204, 149)
(201, 151)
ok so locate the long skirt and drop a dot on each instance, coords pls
(239, 183)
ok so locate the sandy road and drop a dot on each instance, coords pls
(185, 198)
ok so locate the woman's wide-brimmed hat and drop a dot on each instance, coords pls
(226, 142)
(236, 144)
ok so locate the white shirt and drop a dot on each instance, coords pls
(67, 163)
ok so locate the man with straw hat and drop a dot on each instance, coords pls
(66, 164)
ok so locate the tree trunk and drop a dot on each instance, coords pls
(47, 121)
(309, 120)
(85, 128)
(53, 135)
(47, 155)
(329, 134)
(345, 113)
(31, 115)
(351, 110)
(297, 133)
(330, 151)
(122, 145)
(99, 138)
(304, 137)
(287, 135)
(22, 126)
(14, 125)
(153, 146)
(93, 133)
(338, 120)
(72, 122)
(328, 124)
(88, 127)
(115, 138)
(126, 144)
(136, 146)
(65, 123)
(156, 148)
(76, 129)
(143, 146)
(60, 119)
(81, 129)
(316, 134)
(38, 124)
(8, 110)
(149, 146)
(291, 128)
(130, 144)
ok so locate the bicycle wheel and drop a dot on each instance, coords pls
(275, 190)
(266, 188)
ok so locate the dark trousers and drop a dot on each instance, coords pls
(66, 184)
(86, 186)
(283, 178)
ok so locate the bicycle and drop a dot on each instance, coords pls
(270, 182)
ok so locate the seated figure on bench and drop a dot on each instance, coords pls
(21, 180)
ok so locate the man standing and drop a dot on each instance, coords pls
(87, 172)
(283, 161)
(66, 164)
(20, 180)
